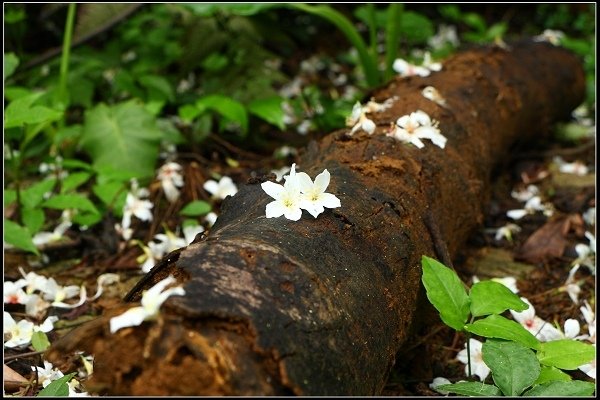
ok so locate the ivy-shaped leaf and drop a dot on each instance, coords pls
(514, 367)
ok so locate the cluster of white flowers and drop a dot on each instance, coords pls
(220, 190)
(533, 203)
(134, 206)
(358, 118)
(164, 243)
(416, 126)
(152, 300)
(299, 193)
(576, 167)
(404, 68)
(49, 373)
(43, 238)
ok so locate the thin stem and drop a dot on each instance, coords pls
(392, 38)
(64, 61)
(372, 22)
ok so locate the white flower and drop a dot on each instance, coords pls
(33, 281)
(225, 187)
(287, 197)
(590, 319)
(431, 93)
(586, 255)
(151, 301)
(20, 333)
(439, 381)
(571, 287)
(539, 328)
(506, 231)
(104, 280)
(279, 173)
(35, 305)
(404, 68)
(478, 367)
(358, 118)
(314, 198)
(14, 293)
(429, 64)
(190, 232)
(416, 126)
(134, 205)
(552, 36)
(210, 218)
(576, 167)
(43, 238)
(170, 178)
(525, 194)
(532, 205)
(590, 216)
(47, 374)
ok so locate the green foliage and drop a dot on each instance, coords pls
(18, 236)
(269, 109)
(446, 292)
(519, 363)
(57, 388)
(562, 389)
(11, 62)
(196, 208)
(40, 341)
(514, 367)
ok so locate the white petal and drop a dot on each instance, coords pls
(274, 209)
(211, 186)
(329, 200)
(368, 126)
(132, 317)
(304, 182)
(516, 214)
(293, 214)
(403, 121)
(272, 189)
(571, 328)
(322, 181)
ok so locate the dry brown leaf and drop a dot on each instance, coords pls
(549, 241)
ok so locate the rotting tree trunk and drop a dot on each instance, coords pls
(322, 306)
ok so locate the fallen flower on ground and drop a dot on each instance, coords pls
(439, 381)
(586, 254)
(590, 318)
(416, 126)
(287, 197)
(220, 190)
(575, 167)
(539, 328)
(190, 232)
(170, 179)
(152, 299)
(313, 197)
(135, 206)
(532, 206)
(358, 118)
(525, 194)
(19, 334)
(210, 219)
(478, 366)
(551, 36)
(431, 93)
(505, 231)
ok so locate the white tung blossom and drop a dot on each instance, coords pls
(478, 366)
(358, 118)
(431, 93)
(416, 126)
(539, 328)
(220, 190)
(532, 205)
(17, 334)
(576, 167)
(135, 206)
(314, 198)
(152, 300)
(171, 179)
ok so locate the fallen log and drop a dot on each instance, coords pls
(321, 306)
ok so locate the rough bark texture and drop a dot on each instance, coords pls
(322, 306)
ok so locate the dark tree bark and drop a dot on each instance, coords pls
(322, 306)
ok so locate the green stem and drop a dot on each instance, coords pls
(64, 61)
(372, 22)
(368, 63)
(392, 37)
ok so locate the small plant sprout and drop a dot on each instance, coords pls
(431, 93)
(171, 179)
(220, 190)
(152, 299)
(478, 367)
(18, 334)
(358, 118)
(297, 193)
(416, 126)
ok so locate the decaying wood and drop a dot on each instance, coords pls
(322, 306)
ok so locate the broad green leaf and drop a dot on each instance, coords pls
(446, 292)
(472, 389)
(475, 21)
(34, 194)
(68, 136)
(566, 353)
(10, 195)
(107, 192)
(108, 173)
(11, 62)
(562, 389)
(188, 112)
(158, 87)
(57, 388)
(270, 110)
(229, 108)
(72, 200)
(87, 218)
(70, 163)
(18, 236)
(33, 218)
(415, 28)
(548, 374)
(196, 208)
(489, 297)
(74, 180)
(40, 341)
(514, 367)
(123, 137)
(22, 111)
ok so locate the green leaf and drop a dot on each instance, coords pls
(40, 341)
(548, 374)
(496, 326)
(74, 180)
(188, 112)
(18, 236)
(34, 194)
(33, 218)
(73, 200)
(471, 389)
(562, 389)
(158, 87)
(123, 137)
(415, 28)
(22, 111)
(87, 218)
(57, 388)
(10, 195)
(70, 163)
(270, 110)
(489, 297)
(566, 353)
(446, 292)
(229, 108)
(196, 208)
(514, 367)
(11, 62)
(108, 191)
